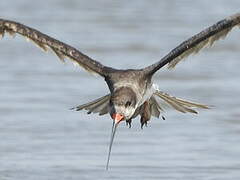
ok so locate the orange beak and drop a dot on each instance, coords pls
(117, 117)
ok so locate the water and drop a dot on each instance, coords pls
(42, 139)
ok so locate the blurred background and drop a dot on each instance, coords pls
(42, 139)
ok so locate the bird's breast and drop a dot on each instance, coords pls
(148, 93)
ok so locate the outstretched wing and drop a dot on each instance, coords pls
(205, 38)
(46, 42)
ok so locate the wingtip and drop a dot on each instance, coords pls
(73, 108)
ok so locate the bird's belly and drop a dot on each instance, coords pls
(148, 94)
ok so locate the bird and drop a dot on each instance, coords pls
(132, 91)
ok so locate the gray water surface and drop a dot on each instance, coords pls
(42, 139)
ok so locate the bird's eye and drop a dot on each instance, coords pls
(128, 103)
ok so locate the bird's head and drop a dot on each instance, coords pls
(122, 104)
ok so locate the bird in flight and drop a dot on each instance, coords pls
(132, 91)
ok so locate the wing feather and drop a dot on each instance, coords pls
(99, 105)
(193, 45)
(46, 42)
(180, 104)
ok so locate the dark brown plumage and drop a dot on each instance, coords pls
(132, 91)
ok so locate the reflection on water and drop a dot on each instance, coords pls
(42, 139)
